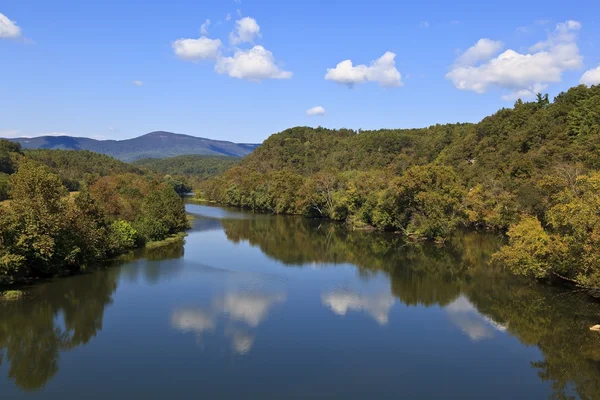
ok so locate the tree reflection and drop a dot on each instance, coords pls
(452, 276)
(32, 333)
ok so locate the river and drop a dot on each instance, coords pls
(257, 306)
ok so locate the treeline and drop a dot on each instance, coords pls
(46, 231)
(189, 170)
(199, 166)
(528, 170)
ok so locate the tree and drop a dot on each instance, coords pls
(39, 210)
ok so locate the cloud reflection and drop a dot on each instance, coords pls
(475, 325)
(377, 305)
(247, 308)
(194, 320)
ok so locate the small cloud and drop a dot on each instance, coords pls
(455, 22)
(197, 49)
(483, 50)
(246, 29)
(255, 64)
(383, 71)
(542, 22)
(228, 17)
(318, 110)
(238, 12)
(523, 29)
(138, 83)
(424, 24)
(204, 27)
(8, 29)
(237, 1)
(591, 77)
(112, 129)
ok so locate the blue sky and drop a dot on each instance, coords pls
(69, 66)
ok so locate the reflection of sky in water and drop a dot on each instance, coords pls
(377, 305)
(247, 308)
(323, 327)
(475, 325)
(216, 212)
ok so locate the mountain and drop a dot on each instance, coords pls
(152, 145)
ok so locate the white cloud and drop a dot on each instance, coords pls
(382, 70)
(204, 27)
(228, 17)
(318, 110)
(522, 75)
(424, 24)
(197, 49)
(483, 50)
(255, 64)
(8, 28)
(138, 83)
(378, 306)
(245, 31)
(238, 12)
(591, 77)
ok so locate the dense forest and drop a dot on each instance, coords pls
(530, 171)
(190, 169)
(63, 211)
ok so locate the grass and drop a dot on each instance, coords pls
(196, 200)
(12, 295)
(171, 239)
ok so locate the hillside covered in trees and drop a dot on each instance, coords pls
(113, 207)
(192, 169)
(530, 171)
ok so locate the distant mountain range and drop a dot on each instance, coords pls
(152, 145)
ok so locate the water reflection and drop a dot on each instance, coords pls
(476, 326)
(242, 312)
(377, 305)
(478, 298)
(452, 285)
(56, 317)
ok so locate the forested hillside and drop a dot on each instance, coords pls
(530, 170)
(190, 168)
(46, 231)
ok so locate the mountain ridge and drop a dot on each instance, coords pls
(156, 144)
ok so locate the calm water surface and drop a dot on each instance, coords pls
(255, 306)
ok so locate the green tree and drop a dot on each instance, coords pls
(39, 209)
